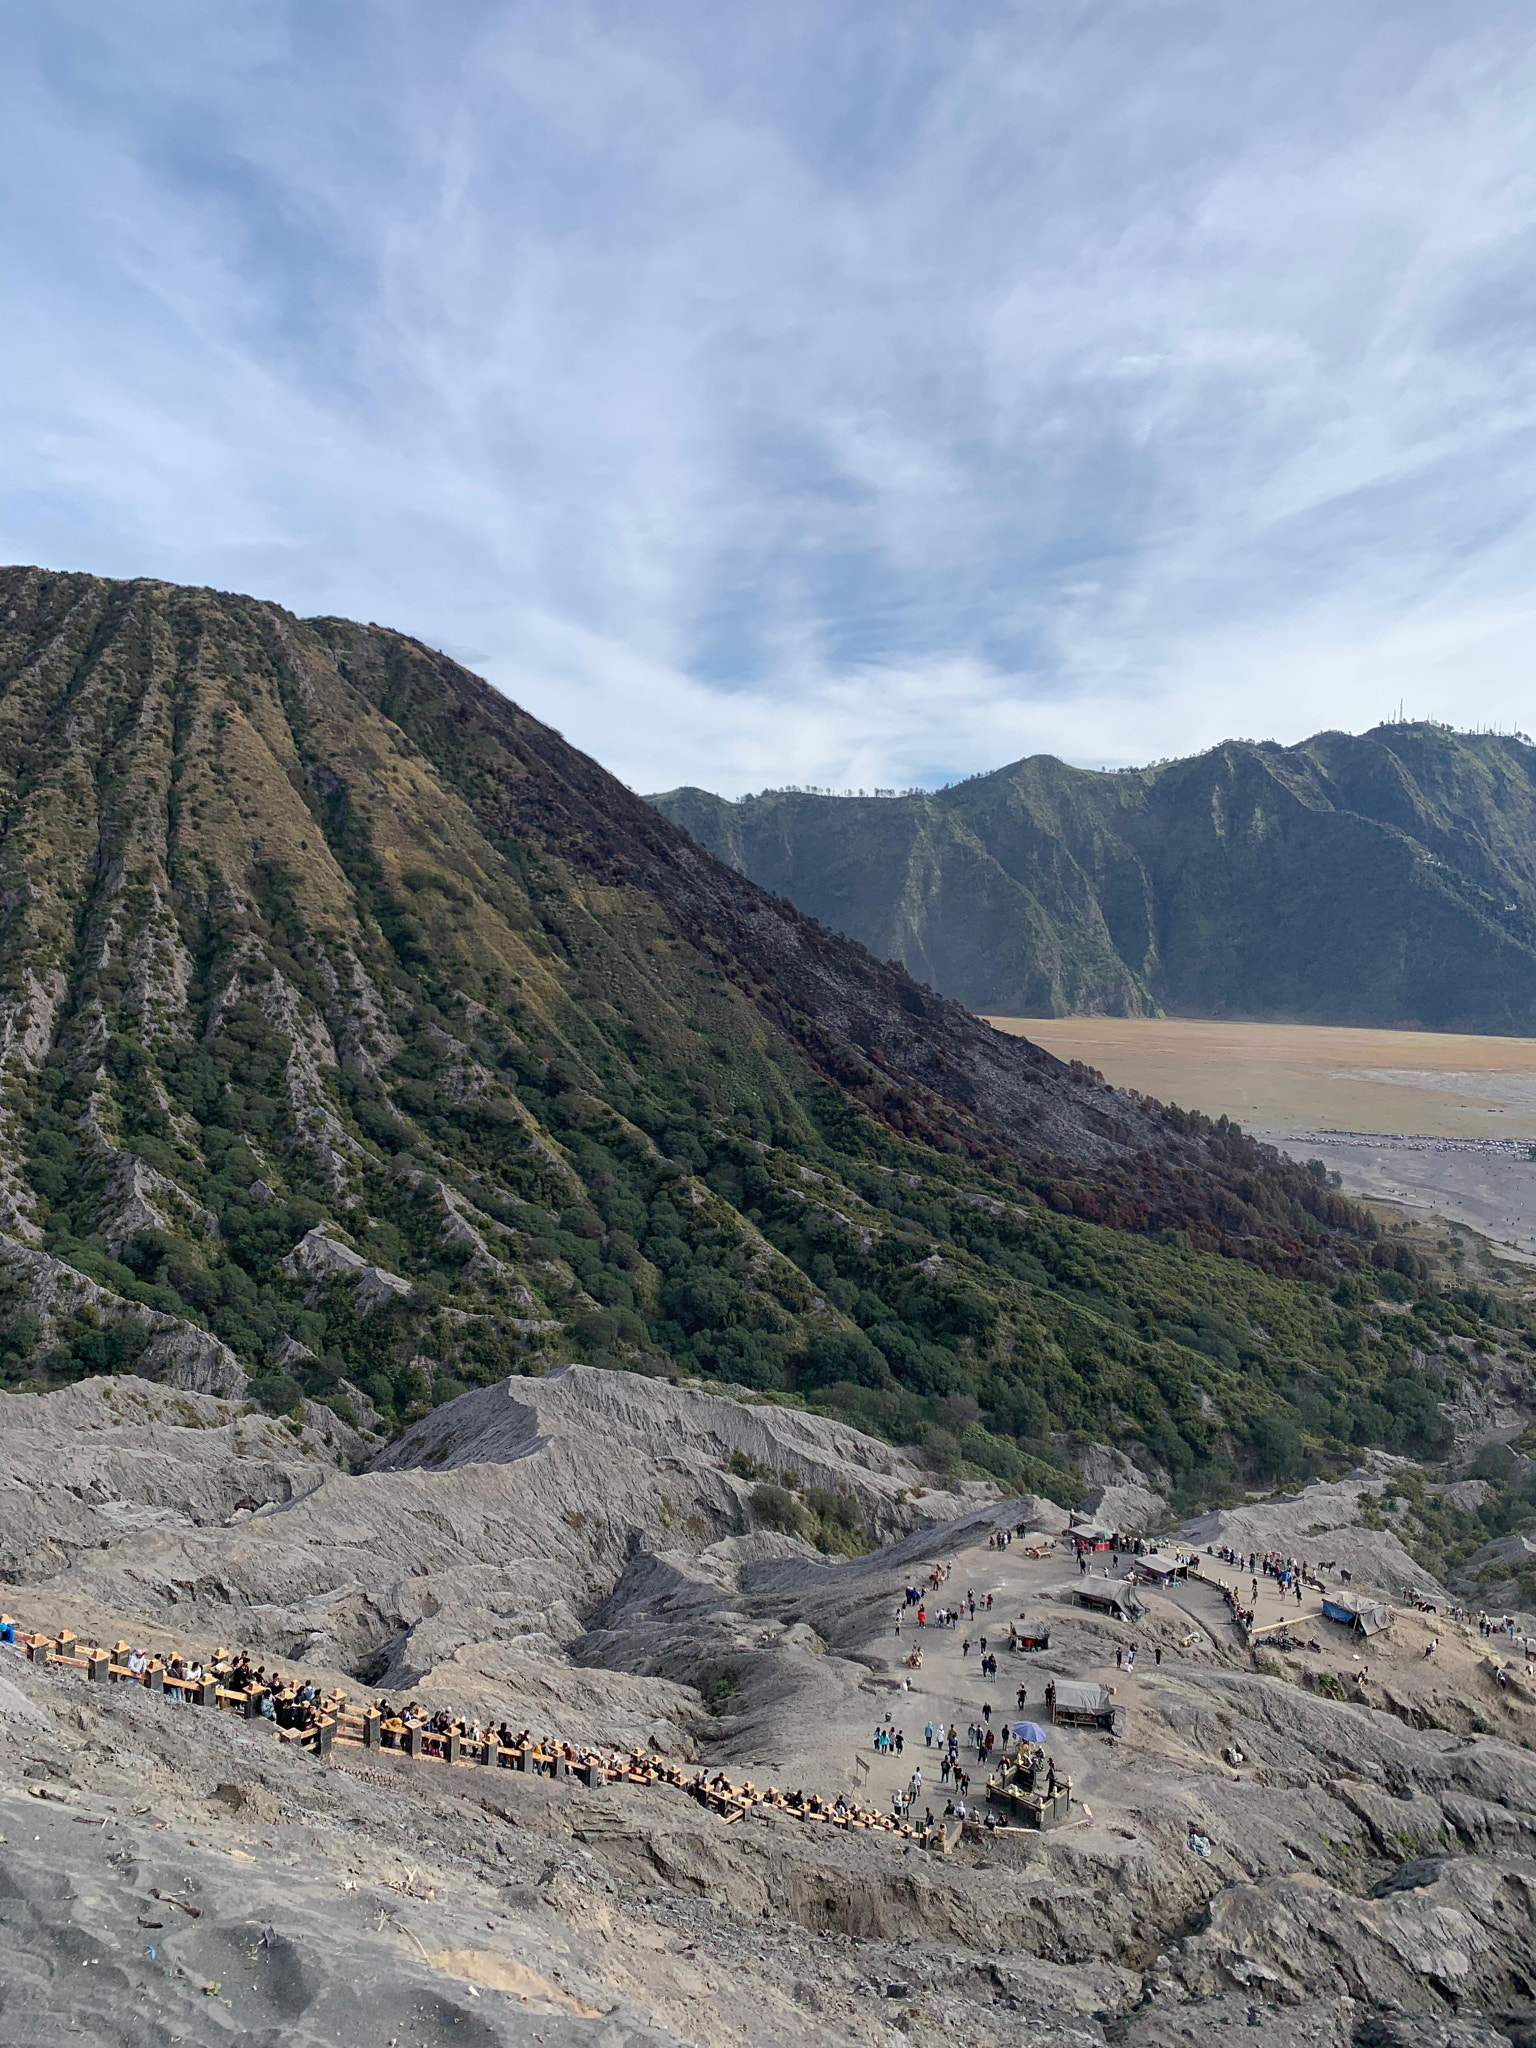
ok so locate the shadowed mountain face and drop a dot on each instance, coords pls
(358, 1034)
(1389, 880)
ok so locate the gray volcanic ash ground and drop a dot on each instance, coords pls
(578, 1553)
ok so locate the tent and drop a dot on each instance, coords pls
(1350, 1610)
(1110, 1596)
(1029, 1635)
(1081, 1706)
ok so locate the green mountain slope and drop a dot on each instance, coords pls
(1388, 879)
(359, 1036)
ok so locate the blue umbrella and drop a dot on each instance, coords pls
(1029, 1731)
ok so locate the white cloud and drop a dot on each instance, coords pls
(850, 396)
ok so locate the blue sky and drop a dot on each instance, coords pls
(837, 394)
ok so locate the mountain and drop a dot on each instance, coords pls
(361, 1042)
(1388, 879)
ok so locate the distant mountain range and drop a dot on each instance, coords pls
(1385, 879)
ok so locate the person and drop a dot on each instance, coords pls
(1157, 1653)
(1130, 1658)
(901, 1740)
(928, 1734)
(1119, 1658)
(1023, 1694)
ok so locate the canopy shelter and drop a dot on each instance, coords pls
(1160, 1571)
(1110, 1596)
(1024, 1634)
(1076, 1705)
(1351, 1610)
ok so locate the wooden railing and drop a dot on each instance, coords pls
(335, 1721)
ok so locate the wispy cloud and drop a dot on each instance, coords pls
(858, 395)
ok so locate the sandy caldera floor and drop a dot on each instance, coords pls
(1440, 1122)
(1304, 1076)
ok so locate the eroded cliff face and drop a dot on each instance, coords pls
(1387, 878)
(360, 1037)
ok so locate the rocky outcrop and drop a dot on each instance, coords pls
(593, 1419)
(99, 1469)
(324, 1258)
(177, 1352)
(1127, 1509)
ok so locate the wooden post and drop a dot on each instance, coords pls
(450, 1749)
(558, 1767)
(98, 1667)
(325, 1734)
(252, 1706)
(488, 1752)
(39, 1653)
(206, 1694)
(411, 1742)
(373, 1730)
(154, 1677)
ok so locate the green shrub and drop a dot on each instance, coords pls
(778, 1508)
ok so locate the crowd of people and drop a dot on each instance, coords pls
(298, 1708)
(941, 1617)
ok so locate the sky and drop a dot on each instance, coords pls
(853, 395)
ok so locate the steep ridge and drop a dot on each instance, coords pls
(463, 1562)
(1388, 879)
(359, 1035)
